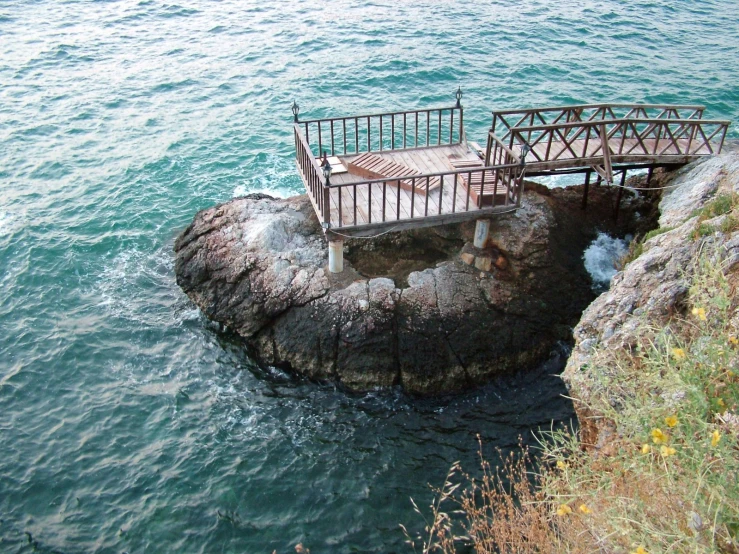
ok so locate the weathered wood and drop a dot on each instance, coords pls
(373, 166)
(585, 190)
(428, 183)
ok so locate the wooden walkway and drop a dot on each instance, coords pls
(417, 151)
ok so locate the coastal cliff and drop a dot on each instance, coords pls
(697, 217)
(421, 309)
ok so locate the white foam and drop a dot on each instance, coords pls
(7, 223)
(269, 174)
(140, 286)
(601, 256)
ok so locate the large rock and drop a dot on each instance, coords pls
(406, 310)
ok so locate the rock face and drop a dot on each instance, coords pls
(406, 310)
(656, 282)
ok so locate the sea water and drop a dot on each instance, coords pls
(128, 423)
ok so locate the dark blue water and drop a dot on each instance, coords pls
(127, 423)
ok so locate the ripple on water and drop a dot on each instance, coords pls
(128, 422)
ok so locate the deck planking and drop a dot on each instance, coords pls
(400, 203)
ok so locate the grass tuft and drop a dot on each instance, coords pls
(636, 247)
(722, 205)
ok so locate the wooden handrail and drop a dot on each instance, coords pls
(604, 105)
(398, 130)
(306, 146)
(504, 147)
(383, 114)
(507, 178)
(572, 124)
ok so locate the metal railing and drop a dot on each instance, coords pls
(384, 131)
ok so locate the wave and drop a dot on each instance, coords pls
(601, 256)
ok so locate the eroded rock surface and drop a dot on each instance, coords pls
(416, 317)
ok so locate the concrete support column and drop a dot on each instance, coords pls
(482, 229)
(336, 256)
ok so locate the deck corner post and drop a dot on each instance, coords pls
(482, 230)
(335, 255)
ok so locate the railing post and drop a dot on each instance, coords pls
(462, 138)
(519, 192)
(326, 208)
(585, 190)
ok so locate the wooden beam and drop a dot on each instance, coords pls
(585, 190)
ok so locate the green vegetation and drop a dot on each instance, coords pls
(636, 247)
(723, 204)
(665, 476)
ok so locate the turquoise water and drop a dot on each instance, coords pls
(127, 422)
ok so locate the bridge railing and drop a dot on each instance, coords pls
(635, 137)
(498, 152)
(380, 132)
(505, 120)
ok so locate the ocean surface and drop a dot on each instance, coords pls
(127, 422)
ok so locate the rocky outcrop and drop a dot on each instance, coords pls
(406, 310)
(655, 284)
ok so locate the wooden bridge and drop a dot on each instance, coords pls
(367, 174)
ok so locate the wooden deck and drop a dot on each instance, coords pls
(402, 155)
(395, 203)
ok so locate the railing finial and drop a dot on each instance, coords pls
(459, 97)
(296, 110)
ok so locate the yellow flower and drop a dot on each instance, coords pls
(561, 465)
(671, 421)
(733, 340)
(584, 509)
(564, 510)
(715, 438)
(658, 437)
(667, 451)
(645, 448)
(678, 354)
(721, 402)
(700, 313)
(640, 550)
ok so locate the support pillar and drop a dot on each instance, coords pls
(585, 190)
(649, 175)
(336, 256)
(482, 230)
(619, 195)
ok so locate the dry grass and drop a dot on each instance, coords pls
(667, 478)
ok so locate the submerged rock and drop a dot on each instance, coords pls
(406, 310)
